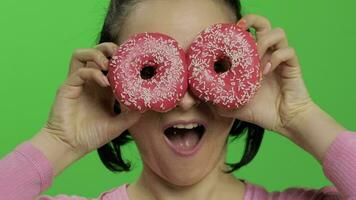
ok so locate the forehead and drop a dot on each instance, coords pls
(180, 19)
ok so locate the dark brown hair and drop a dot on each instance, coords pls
(110, 153)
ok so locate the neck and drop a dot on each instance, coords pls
(216, 185)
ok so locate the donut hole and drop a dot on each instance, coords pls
(147, 72)
(223, 64)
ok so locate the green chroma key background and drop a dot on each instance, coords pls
(38, 38)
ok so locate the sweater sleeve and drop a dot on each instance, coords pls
(25, 173)
(339, 166)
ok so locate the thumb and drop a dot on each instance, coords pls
(243, 113)
(118, 124)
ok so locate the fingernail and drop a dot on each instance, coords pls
(106, 81)
(242, 24)
(105, 63)
(115, 49)
(267, 68)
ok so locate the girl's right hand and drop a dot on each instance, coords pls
(82, 116)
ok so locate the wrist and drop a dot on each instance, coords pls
(314, 130)
(295, 126)
(58, 154)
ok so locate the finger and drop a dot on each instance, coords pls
(83, 75)
(82, 56)
(259, 23)
(243, 113)
(274, 39)
(108, 48)
(91, 64)
(73, 86)
(287, 56)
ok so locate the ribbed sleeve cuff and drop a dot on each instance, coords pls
(339, 163)
(38, 161)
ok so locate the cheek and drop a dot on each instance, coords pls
(223, 128)
(146, 134)
(145, 129)
(149, 120)
(218, 138)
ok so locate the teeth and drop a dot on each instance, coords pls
(186, 126)
(179, 126)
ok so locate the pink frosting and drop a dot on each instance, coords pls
(232, 88)
(165, 89)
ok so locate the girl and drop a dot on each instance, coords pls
(84, 118)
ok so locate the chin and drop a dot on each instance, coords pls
(185, 178)
(187, 172)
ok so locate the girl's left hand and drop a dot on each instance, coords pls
(282, 96)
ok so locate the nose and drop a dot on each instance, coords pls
(188, 101)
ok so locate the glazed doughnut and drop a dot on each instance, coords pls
(149, 72)
(224, 66)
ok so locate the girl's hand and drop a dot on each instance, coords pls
(82, 116)
(282, 96)
(283, 104)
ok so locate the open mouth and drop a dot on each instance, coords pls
(184, 139)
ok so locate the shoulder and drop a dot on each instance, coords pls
(254, 191)
(325, 193)
(118, 193)
(61, 197)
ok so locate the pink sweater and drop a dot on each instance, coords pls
(26, 172)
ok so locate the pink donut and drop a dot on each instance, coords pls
(149, 72)
(224, 66)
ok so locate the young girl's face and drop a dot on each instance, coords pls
(182, 20)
